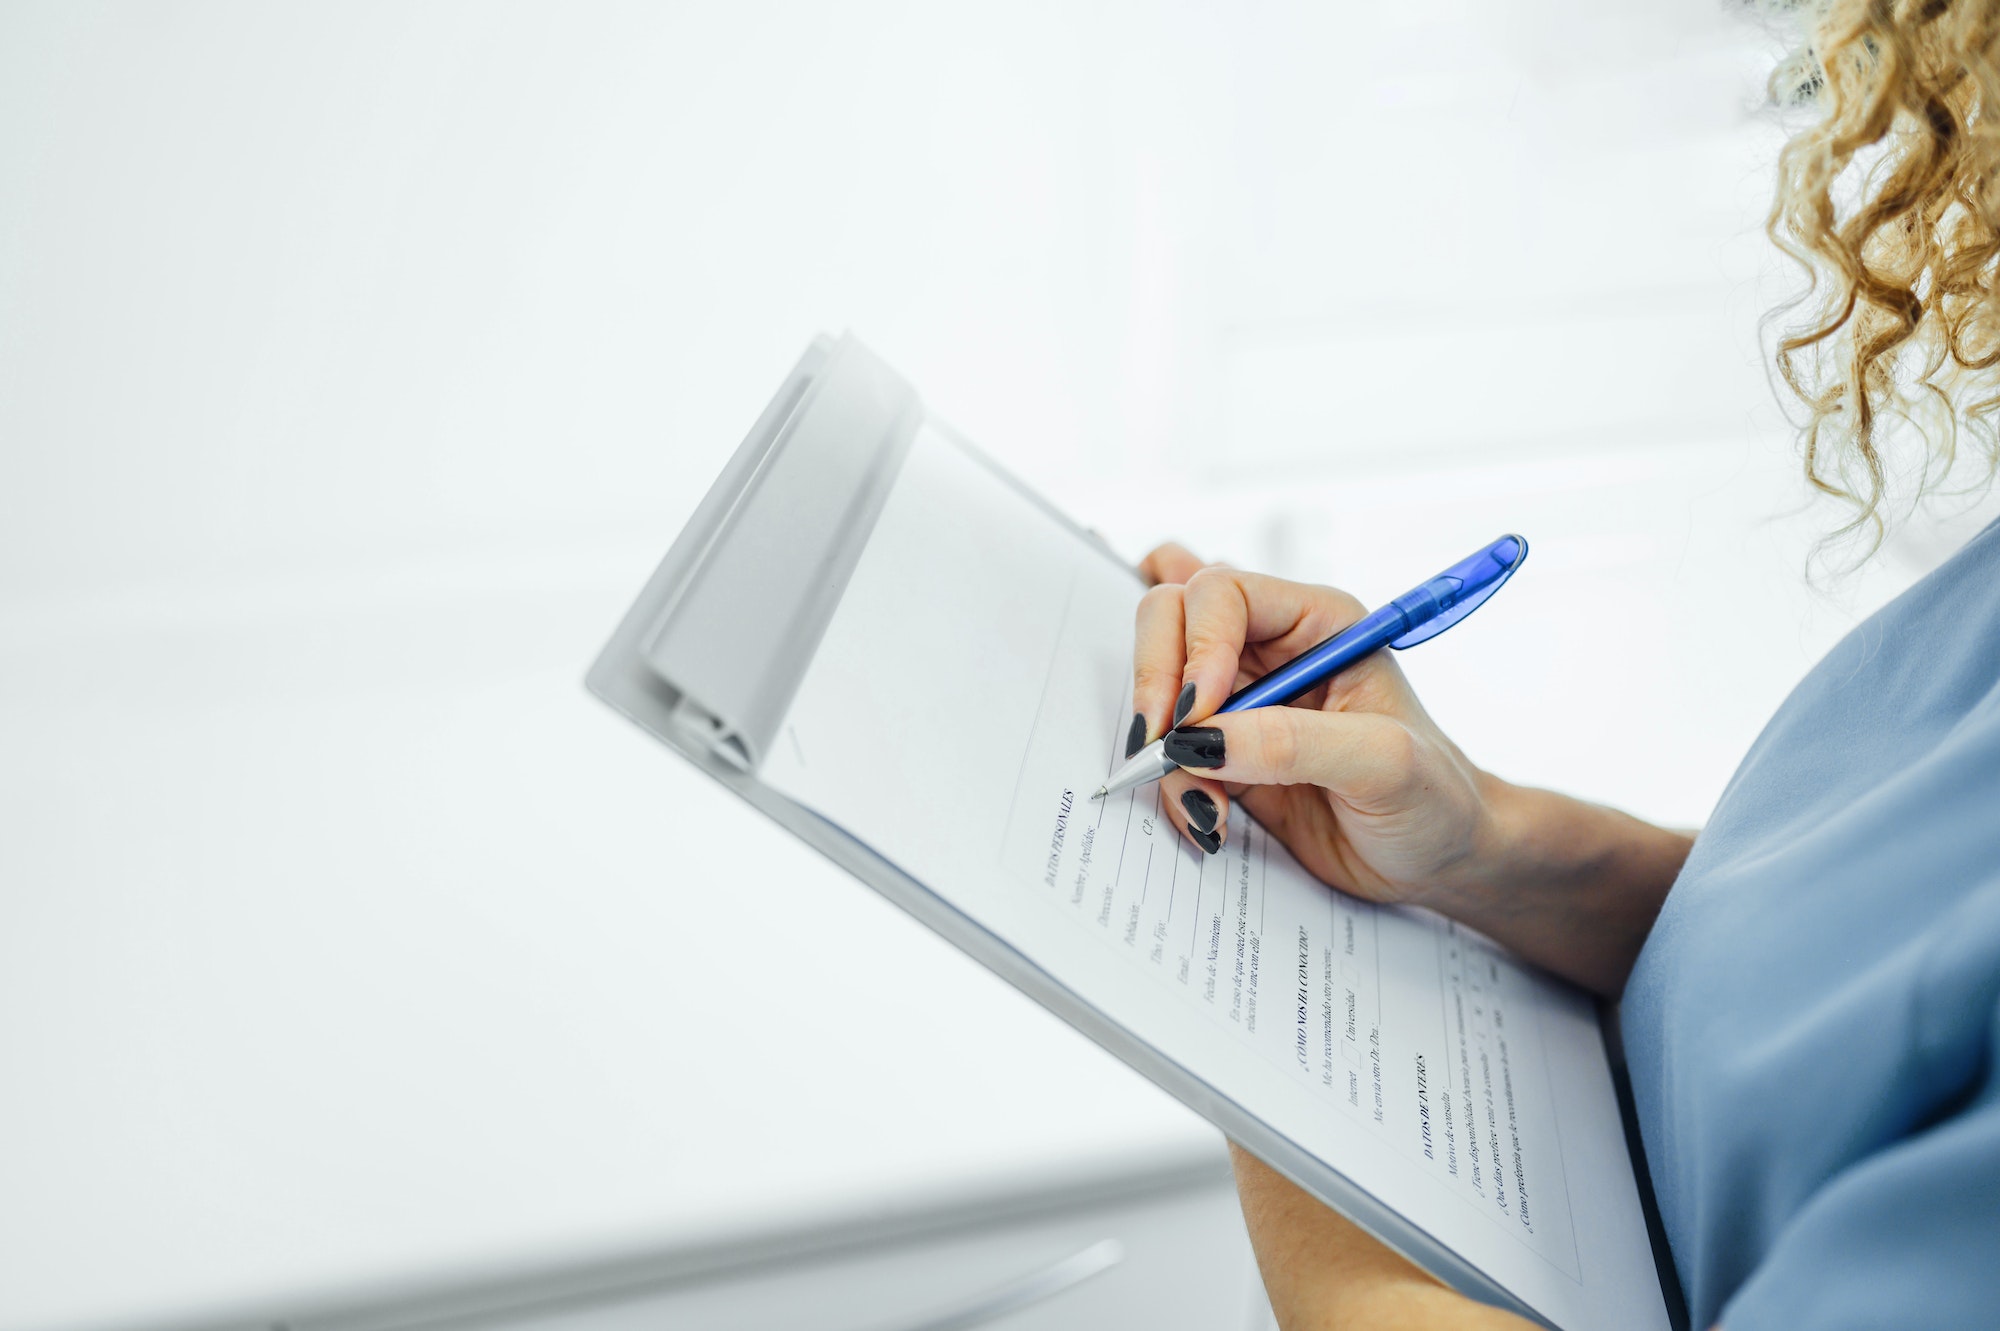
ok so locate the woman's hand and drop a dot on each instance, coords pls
(1365, 789)
(1354, 777)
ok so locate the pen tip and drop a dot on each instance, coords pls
(1101, 791)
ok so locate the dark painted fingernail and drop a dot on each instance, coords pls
(1208, 841)
(1201, 809)
(1197, 746)
(1135, 738)
(1185, 703)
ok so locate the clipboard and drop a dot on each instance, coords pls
(782, 530)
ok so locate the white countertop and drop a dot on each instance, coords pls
(346, 942)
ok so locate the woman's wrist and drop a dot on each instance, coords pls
(1571, 886)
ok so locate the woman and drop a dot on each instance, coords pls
(1809, 989)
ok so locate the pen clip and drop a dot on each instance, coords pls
(1459, 590)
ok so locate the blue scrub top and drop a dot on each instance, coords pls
(1812, 1026)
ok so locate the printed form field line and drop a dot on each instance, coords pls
(1041, 703)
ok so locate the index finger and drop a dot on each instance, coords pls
(1156, 664)
(1228, 610)
(1169, 563)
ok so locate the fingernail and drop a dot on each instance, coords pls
(1185, 703)
(1135, 738)
(1201, 809)
(1208, 841)
(1197, 746)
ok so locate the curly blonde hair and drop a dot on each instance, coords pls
(1890, 198)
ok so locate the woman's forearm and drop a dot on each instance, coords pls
(1570, 886)
(1322, 1272)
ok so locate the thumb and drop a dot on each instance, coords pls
(1363, 757)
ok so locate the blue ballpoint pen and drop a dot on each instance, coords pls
(1414, 617)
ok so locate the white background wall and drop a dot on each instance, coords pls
(308, 284)
(341, 292)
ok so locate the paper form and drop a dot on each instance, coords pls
(974, 686)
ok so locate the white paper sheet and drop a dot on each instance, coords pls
(972, 689)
